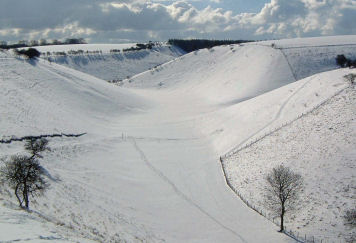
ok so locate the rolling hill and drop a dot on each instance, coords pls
(148, 167)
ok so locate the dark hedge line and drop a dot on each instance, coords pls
(342, 61)
(196, 44)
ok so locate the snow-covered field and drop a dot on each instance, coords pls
(104, 48)
(148, 168)
(111, 66)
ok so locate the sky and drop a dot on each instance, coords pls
(120, 21)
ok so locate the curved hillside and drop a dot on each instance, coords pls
(42, 98)
(309, 56)
(111, 66)
(148, 168)
(222, 75)
(131, 178)
(321, 147)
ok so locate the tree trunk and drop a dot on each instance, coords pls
(17, 195)
(25, 196)
(282, 218)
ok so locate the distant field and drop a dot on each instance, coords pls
(105, 48)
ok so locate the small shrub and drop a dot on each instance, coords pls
(350, 77)
(342, 61)
(29, 53)
(350, 217)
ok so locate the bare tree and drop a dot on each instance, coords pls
(24, 174)
(283, 188)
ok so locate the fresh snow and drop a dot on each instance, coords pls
(339, 40)
(111, 66)
(321, 147)
(148, 168)
(20, 226)
(104, 48)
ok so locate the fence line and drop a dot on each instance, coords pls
(248, 144)
(233, 152)
(292, 234)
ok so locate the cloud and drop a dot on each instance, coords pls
(141, 20)
(306, 17)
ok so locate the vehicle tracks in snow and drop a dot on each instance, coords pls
(178, 192)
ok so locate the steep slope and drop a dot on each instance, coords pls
(111, 66)
(222, 82)
(220, 76)
(148, 168)
(38, 97)
(133, 177)
(321, 147)
(308, 56)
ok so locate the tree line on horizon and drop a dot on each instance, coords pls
(42, 42)
(190, 45)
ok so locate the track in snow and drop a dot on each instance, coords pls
(277, 116)
(178, 192)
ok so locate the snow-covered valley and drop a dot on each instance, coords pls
(108, 65)
(148, 169)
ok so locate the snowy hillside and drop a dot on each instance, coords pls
(104, 48)
(321, 147)
(308, 56)
(148, 167)
(111, 66)
(132, 177)
(38, 98)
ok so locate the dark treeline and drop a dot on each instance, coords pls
(342, 61)
(29, 53)
(42, 42)
(196, 44)
(141, 46)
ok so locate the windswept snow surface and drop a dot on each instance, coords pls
(321, 147)
(112, 66)
(148, 168)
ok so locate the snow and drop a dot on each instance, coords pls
(148, 168)
(321, 147)
(112, 66)
(338, 40)
(43, 98)
(19, 226)
(132, 177)
(105, 48)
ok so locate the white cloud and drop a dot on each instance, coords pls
(161, 19)
(305, 17)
